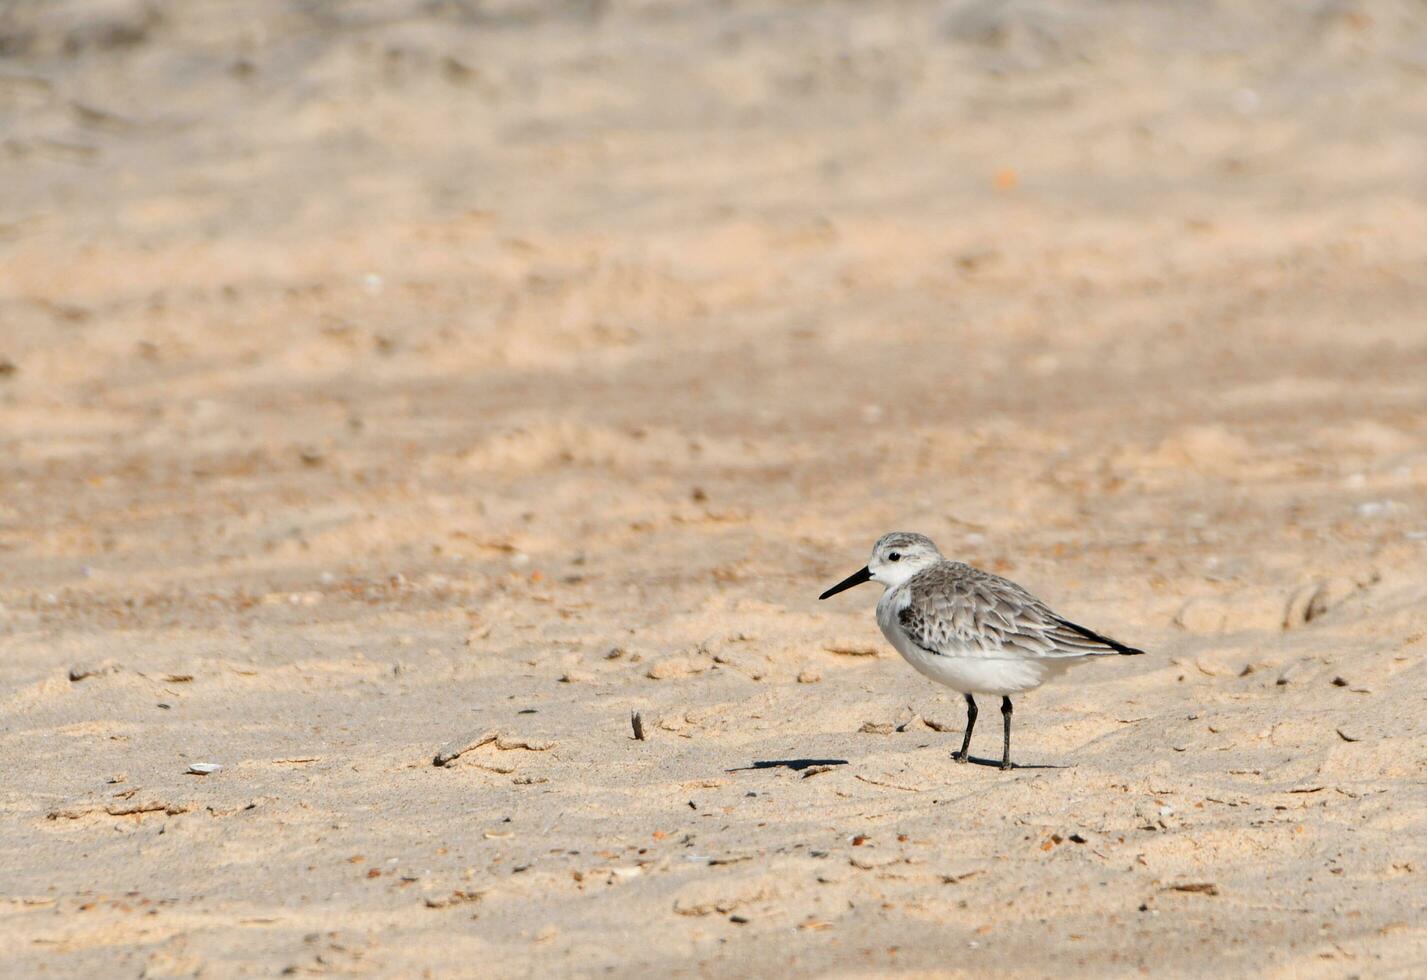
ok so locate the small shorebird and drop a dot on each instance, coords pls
(975, 632)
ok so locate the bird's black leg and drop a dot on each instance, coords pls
(964, 754)
(1006, 747)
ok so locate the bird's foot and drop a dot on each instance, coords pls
(1006, 765)
(961, 756)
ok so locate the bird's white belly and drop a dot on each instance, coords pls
(973, 671)
(979, 674)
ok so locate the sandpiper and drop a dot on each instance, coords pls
(973, 631)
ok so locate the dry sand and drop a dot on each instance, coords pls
(384, 374)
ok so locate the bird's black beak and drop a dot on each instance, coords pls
(856, 578)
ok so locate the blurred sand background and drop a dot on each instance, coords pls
(378, 374)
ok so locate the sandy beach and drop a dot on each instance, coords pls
(394, 379)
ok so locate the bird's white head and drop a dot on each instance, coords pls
(899, 555)
(896, 557)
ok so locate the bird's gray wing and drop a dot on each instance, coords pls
(952, 607)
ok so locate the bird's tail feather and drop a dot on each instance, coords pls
(1090, 634)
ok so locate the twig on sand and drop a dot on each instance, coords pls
(637, 723)
(456, 748)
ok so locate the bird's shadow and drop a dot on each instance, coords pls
(797, 765)
(996, 764)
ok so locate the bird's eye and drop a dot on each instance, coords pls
(894, 556)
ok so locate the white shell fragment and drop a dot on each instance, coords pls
(203, 768)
